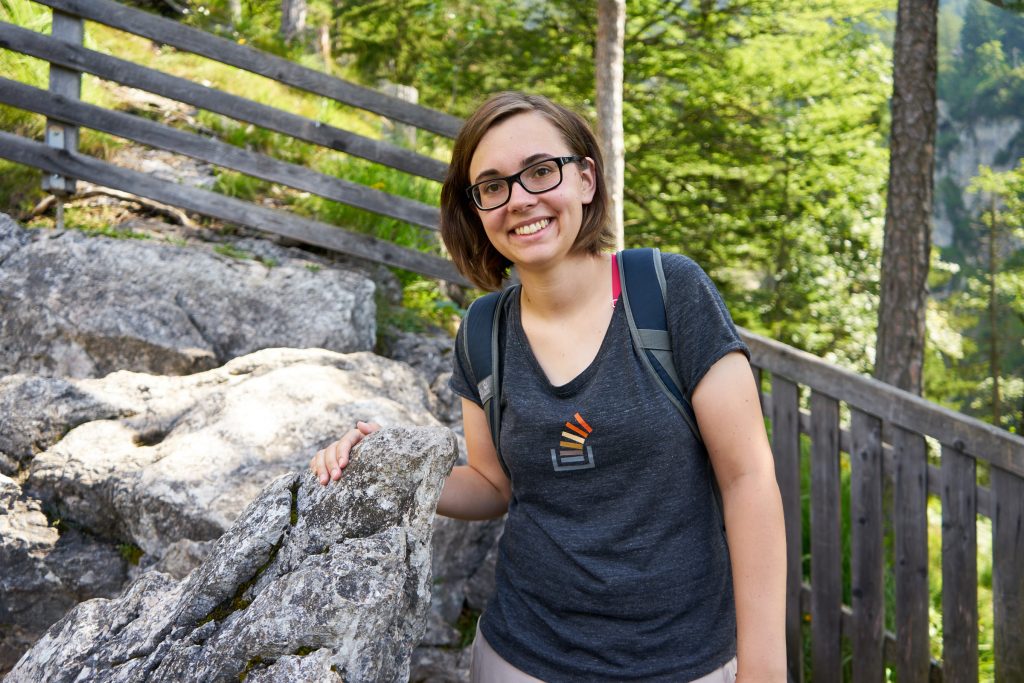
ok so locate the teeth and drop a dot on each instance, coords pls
(532, 227)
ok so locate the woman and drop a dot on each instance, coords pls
(615, 567)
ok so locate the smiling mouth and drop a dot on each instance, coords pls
(532, 227)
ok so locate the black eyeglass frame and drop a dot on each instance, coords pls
(517, 178)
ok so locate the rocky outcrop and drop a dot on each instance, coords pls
(77, 306)
(310, 583)
(154, 469)
(135, 476)
(188, 453)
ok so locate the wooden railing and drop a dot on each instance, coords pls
(890, 480)
(883, 439)
(59, 157)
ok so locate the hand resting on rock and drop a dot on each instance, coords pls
(328, 463)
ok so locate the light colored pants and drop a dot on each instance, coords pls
(488, 667)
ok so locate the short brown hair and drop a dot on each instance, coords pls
(461, 229)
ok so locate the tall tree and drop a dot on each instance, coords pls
(608, 57)
(899, 351)
(293, 18)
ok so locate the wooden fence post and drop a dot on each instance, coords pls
(910, 510)
(867, 564)
(66, 83)
(786, 447)
(826, 540)
(959, 567)
(1008, 573)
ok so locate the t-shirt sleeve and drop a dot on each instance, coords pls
(700, 325)
(462, 382)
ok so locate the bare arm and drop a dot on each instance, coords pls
(479, 490)
(729, 415)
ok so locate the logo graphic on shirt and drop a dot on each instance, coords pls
(573, 453)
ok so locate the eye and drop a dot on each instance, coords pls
(493, 187)
(542, 170)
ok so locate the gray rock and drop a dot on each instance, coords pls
(311, 583)
(78, 306)
(436, 665)
(35, 412)
(192, 451)
(431, 355)
(45, 573)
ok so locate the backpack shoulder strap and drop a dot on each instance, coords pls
(644, 300)
(482, 348)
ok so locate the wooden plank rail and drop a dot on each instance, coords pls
(959, 567)
(867, 562)
(910, 511)
(878, 410)
(218, 153)
(786, 447)
(211, 204)
(175, 34)
(1008, 574)
(974, 437)
(78, 58)
(826, 539)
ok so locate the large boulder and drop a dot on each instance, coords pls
(78, 306)
(152, 469)
(188, 453)
(311, 583)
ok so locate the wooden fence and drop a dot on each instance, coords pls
(58, 157)
(891, 472)
(891, 475)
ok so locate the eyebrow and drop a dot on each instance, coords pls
(525, 162)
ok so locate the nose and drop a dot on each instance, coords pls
(519, 198)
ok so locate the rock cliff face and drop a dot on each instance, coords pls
(996, 143)
(309, 583)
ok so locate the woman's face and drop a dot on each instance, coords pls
(532, 230)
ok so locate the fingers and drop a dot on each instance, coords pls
(367, 428)
(328, 463)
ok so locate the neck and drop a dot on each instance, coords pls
(572, 284)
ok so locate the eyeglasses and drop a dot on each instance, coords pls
(542, 176)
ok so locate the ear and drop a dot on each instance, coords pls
(588, 179)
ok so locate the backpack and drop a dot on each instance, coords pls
(643, 298)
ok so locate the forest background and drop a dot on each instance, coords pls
(756, 139)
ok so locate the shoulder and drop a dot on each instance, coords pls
(683, 274)
(679, 266)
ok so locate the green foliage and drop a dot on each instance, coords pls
(232, 252)
(763, 157)
(130, 552)
(466, 625)
(980, 370)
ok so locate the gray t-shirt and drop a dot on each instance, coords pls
(613, 565)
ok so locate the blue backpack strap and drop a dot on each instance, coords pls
(643, 298)
(481, 345)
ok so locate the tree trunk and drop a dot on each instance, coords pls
(901, 315)
(293, 18)
(994, 366)
(235, 10)
(611, 26)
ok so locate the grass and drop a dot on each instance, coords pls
(21, 190)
